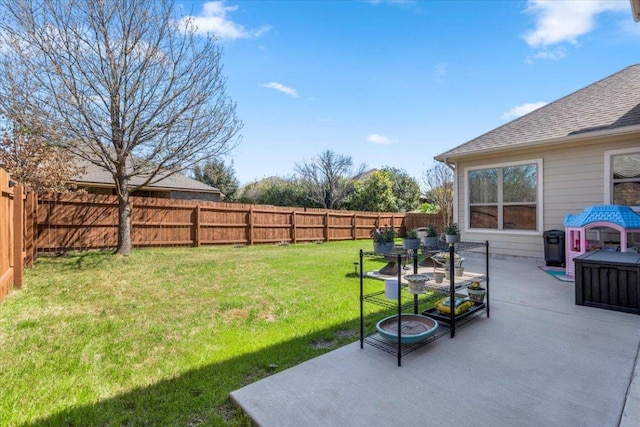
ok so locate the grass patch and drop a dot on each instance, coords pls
(161, 337)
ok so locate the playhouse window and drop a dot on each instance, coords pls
(504, 198)
(625, 169)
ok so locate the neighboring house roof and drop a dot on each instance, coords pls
(610, 105)
(365, 175)
(96, 176)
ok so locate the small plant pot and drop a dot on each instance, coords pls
(431, 241)
(416, 283)
(446, 274)
(458, 271)
(476, 295)
(410, 243)
(391, 288)
(452, 238)
(438, 277)
(383, 248)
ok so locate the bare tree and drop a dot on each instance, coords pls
(28, 144)
(438, 182)
(327, 178)
(34, 161)
(131, 88)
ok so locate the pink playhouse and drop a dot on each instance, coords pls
(601, 228)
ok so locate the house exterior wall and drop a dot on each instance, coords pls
(186, 195)
(572, 179)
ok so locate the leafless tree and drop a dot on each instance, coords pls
(438, 186)
(28, 144)
(131, 88)
(327, 178)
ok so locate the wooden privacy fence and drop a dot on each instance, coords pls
(12, 234)
(72, 221)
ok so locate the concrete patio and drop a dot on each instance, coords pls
(539, 360)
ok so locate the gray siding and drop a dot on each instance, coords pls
(573, 178)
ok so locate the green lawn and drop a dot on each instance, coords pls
(163, 336)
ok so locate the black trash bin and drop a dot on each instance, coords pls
(554, 247)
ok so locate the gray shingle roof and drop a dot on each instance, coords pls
(609, 104)
(179, 182)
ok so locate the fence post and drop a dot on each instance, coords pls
(196, 226)
(18, 235)
(250, 219)
(354, 230)
(293, 227)
(30, 217)
(326, 226)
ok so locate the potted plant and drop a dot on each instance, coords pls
(452, 233)
(431, 239)
(411, 241)
(383, 240)
(476, 292)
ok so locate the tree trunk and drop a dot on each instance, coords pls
(124, 221)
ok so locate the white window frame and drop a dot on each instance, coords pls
(539, 202)
(608, 179)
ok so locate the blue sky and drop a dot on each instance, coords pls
(394, 83)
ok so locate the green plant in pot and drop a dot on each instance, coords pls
(432, 236)
(411, 241)
(476, 292)
(383, 239)
(452, 233)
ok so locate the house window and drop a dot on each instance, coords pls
(625, 179)
(504, 197)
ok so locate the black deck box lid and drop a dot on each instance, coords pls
(608, 257)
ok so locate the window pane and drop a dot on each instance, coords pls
(626, 193)
(484, 216)
(626, 166)
(483, 186)
(519, 217)
(520, 184)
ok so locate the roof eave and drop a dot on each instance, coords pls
(147, 188)
(627, 130)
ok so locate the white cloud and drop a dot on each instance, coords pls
(379, 139)
(523, 109)
(282, 88)
(560, 21)
(552, 55)
(214, 20)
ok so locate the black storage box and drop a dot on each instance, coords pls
(554, 247)
(609, 280)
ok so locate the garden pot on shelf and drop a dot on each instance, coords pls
(452, 238)
(410, 243)
(476, 294)
(458, 271)
(431, 241)
(383, 248)
(438, 277)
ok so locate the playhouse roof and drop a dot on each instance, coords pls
(622, 216)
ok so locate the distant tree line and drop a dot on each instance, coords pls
(332, 181)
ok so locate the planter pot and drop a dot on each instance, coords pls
(391, 288)
(452, 238)
(476, 295)
(446, 274)
(431, 241)
(438, 277)
(410, 243)
(458, 271)
(416, 283)
(383, 248)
